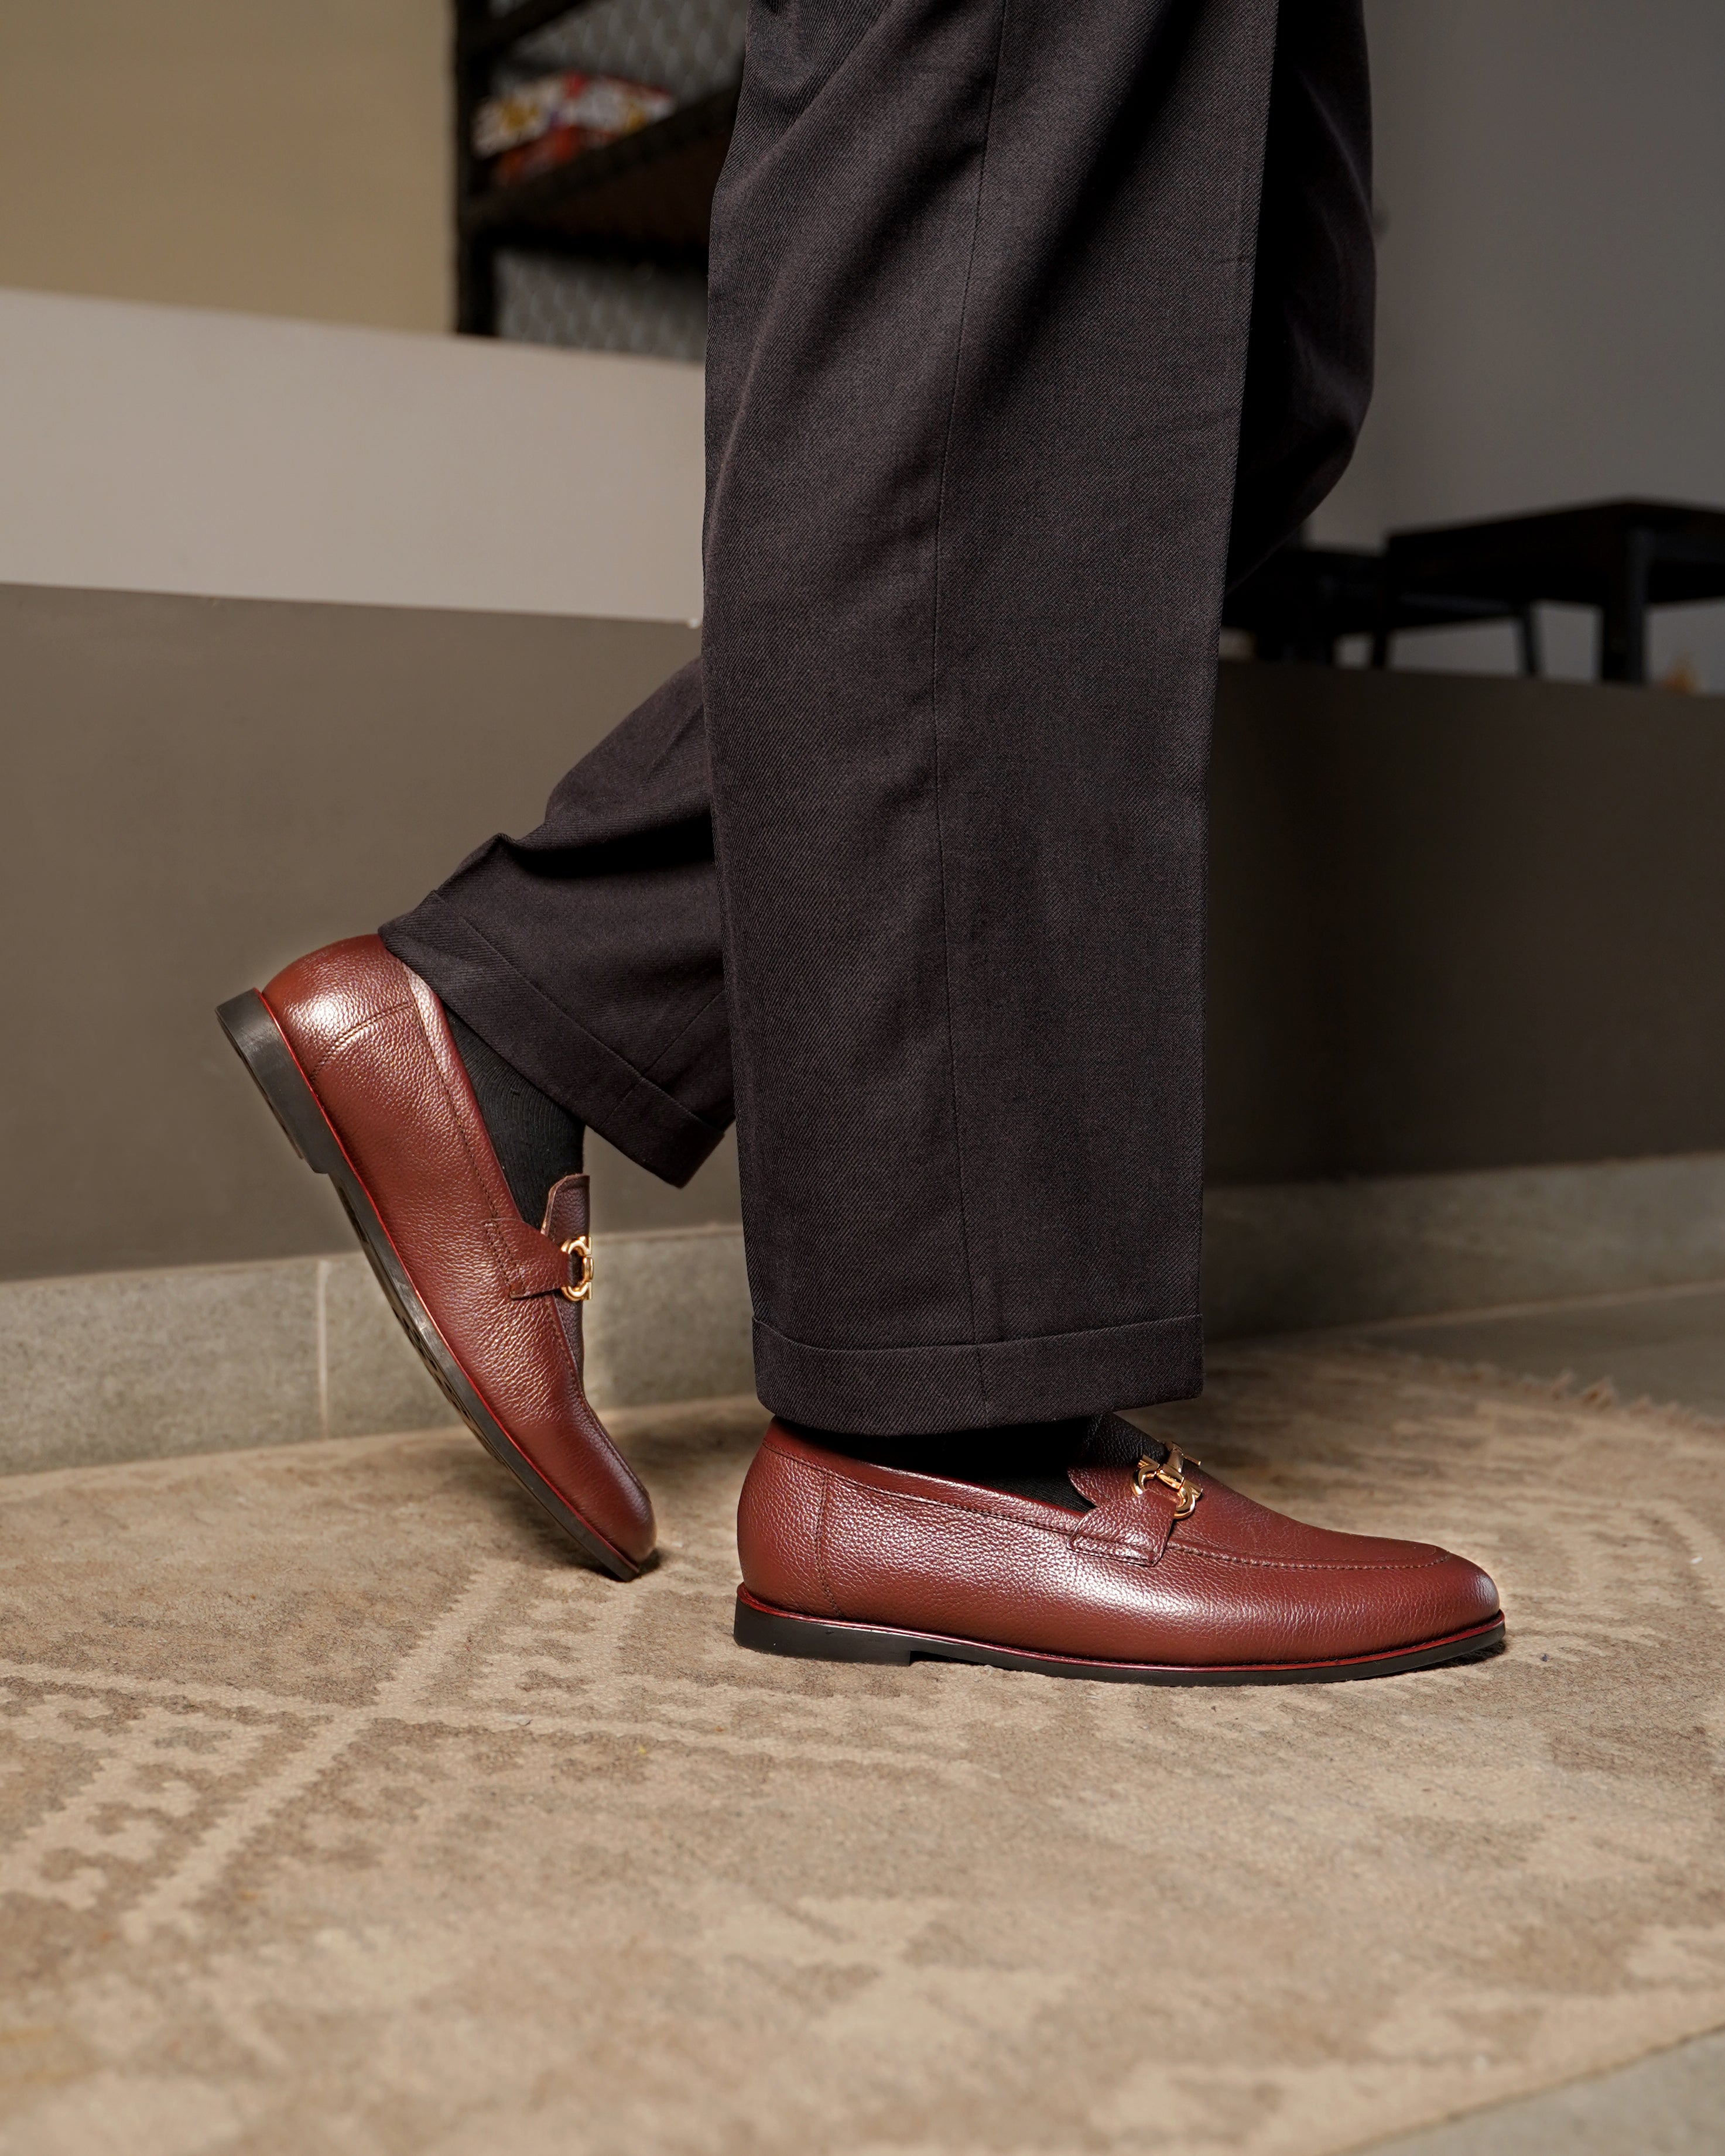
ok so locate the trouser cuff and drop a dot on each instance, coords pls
(909, 1392)
(469, 974)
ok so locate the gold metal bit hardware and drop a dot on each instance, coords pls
(579, 1289)
(1171, 1473)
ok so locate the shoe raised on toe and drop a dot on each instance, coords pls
(1165, 1576)
(352, 1051)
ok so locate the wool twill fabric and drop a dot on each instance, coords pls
(908, 873)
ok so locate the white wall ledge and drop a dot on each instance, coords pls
(233, 456)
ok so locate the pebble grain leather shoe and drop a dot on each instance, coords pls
(353, 1053)
(1155, 1574)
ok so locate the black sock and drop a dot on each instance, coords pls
(1022, 1460)
(536, 1143)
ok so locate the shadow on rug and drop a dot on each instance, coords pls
(343, 1810)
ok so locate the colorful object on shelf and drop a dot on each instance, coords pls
(545, 123)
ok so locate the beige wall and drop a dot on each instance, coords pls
(284, 159)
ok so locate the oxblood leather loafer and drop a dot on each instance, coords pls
(1170, 1578)
(353, 1053)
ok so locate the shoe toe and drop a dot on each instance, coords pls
(1467, 1594)
(1430, 1594)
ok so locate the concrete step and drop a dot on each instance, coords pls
(191, 1359)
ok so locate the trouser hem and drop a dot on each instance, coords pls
(508, 1011)
(907, 1391)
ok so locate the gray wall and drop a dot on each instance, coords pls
(1551, 175)
(1456, 923)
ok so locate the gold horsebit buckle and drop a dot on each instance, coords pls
(578, 1289)
(1171, 1473)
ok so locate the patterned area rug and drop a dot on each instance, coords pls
(344, 1812)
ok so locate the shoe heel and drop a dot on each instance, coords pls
(780, 1632)
(256, 1039)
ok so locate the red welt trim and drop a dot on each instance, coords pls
(1098, 1662)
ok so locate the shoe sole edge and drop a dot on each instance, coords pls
(255, 1037)
(768, 1630)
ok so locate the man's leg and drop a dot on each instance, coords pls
(982, 282)
(982, 286)
(587, 953)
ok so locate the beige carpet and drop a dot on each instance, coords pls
(344, 1813)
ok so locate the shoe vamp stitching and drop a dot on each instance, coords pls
(1313, 1564)
(1094, 1546)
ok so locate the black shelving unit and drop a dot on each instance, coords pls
(647, 197)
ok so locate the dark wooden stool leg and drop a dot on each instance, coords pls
(1623, 634)
(1384, 626)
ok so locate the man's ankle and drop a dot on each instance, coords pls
(537, 1141)
(1022, 1460)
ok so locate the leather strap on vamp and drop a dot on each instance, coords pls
(567, 1231)
(556, 1260)
(534, 1264)
(1135, 1509)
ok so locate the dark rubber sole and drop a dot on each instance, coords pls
(771, 1631)
(260, 1044)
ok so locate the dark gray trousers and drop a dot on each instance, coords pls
(908, 875)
